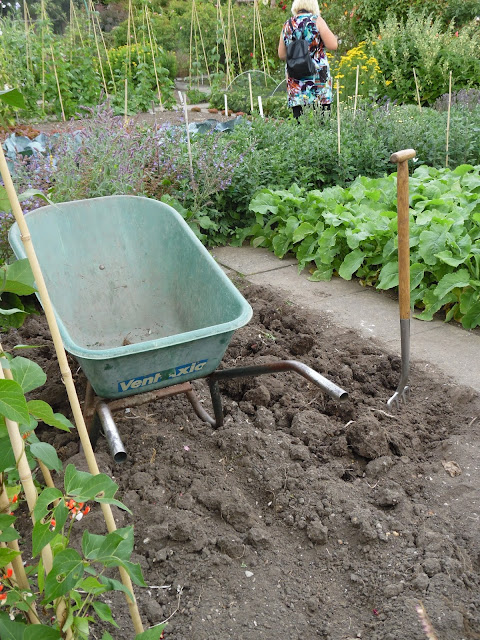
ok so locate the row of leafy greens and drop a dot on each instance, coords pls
(353, 232)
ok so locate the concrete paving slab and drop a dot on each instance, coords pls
(446, 347)
(248, 260)
(450, 349)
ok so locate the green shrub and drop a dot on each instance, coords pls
(142, 89)
(369, 14)
(195, 96)
(419, 43)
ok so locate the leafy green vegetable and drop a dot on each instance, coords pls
(353, 232)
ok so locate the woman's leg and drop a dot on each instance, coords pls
(297, 111)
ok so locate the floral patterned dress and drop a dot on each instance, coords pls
(317, 88)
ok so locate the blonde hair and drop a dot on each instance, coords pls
(307, 5)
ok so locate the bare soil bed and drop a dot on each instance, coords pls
(301, 517)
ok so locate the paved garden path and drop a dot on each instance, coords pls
(374, 314)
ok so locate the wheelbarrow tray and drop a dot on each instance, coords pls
(138, 299)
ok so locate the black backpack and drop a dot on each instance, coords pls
(299, 61)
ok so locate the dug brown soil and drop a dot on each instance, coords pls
(302, 517)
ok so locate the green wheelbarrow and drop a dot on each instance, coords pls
(141, 304)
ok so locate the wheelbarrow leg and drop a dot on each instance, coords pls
(98, 418)
(110, 432)
(216, 402)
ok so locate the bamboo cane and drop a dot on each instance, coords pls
(98, 54)
(229, 30)
(144, 24)
(78, 25)
(356, 92)
(125, 108)
(225, 47)
(64, 368)
(190, 68)
(47, 476)
(28, 55)
(218, 22)
(250, 91)
(183, 102)
(338, 114)
(29, 23)
(106, 54)
(71, 31)
(42, 37)
(448, 116)
(127, 60)
(236, 42)
(19, 576)
(31, 496)
(58, 84)
(133, 25)
(261, 39)
(203, 48)
(417, 90)
(226, 103)
(254, 28)
(153, 60)
(196, 59)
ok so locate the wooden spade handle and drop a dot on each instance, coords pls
(402, 158)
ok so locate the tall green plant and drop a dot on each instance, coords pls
(420, 42)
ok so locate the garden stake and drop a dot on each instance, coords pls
(125, 117)
(153, 60)
(448, 115)
(19, 575)
(356, 92)
(64, 370)
(47, 476)
(44, 17)
(58, 84)
(98, 54)
(401, 158)
(260, 105)
(250, 90)
(418, 92)
(261, 39)
(226, 103)
(236, 41)
(106, 53)
(28, 53)
(31, 496)
(203, 48)
(338, 114)
(183, 102)
(190, 68)
(229, 32)
(77, 23)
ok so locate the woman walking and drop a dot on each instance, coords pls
(307, 23)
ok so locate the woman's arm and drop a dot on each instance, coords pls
(282, 49)
(329, 39)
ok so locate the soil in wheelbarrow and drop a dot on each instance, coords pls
(301, 517)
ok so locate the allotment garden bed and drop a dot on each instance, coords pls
(301, 517)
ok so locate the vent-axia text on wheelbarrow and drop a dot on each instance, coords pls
(139, 301)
